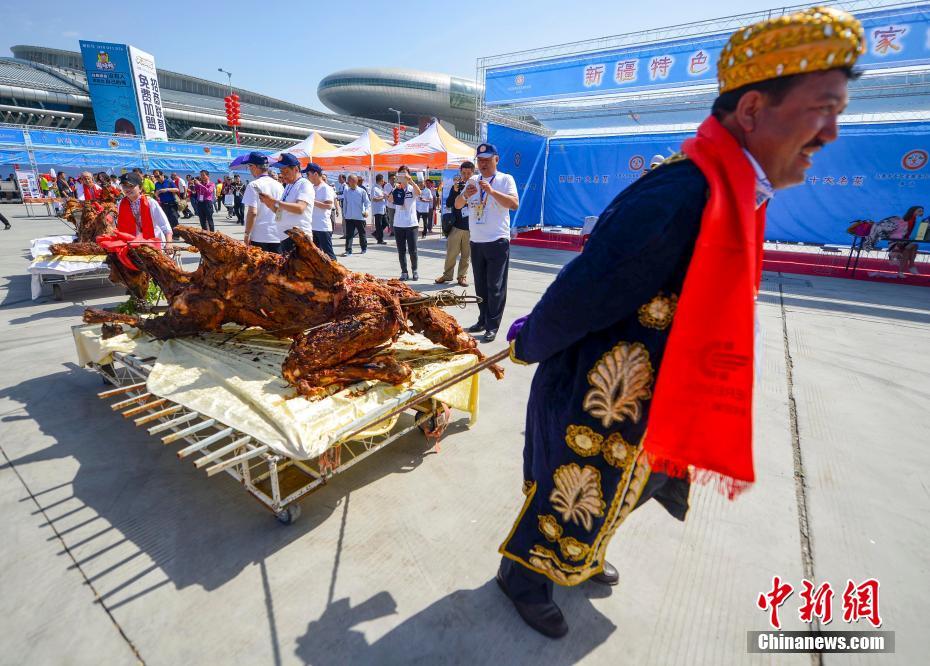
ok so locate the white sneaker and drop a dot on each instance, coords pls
(913, 270)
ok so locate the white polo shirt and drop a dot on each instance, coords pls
(321, 218)
(377, 207)
(265, 230)
(489, 221)
(425, 200)
(299, 190)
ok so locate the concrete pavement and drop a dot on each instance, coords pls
(116, 552)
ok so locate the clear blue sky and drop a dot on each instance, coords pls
(283, 49)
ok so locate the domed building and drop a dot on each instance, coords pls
(417, 95)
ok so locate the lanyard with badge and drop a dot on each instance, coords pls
(482, 195)
(287, 190)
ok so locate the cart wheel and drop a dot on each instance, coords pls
(56, 292)
(289, 515)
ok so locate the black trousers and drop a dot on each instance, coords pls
(489, 264)
(205, 213)
(239, 210)
(380, 225)
(324, 241)
(269, 247)
(6, 222)
(171, 212)
(427, 220)
(406, 238)
(351, 228)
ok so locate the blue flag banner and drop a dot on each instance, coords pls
(870, 172)
(523, 156)
(83, 142)
(112, 87)
(894, 37)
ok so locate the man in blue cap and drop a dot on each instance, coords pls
(261, 230)
(299, 206)
(490, 197)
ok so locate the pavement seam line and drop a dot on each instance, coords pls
(74, 562)
(800, 488)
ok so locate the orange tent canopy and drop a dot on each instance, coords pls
(435, 148)
(358, 154)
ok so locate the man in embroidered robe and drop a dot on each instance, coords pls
(653, 322)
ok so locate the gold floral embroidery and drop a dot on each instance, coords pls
(547, 562)
(658, 312)
(619, 381)
(528, 487)
(550, 528)
(583, 441)
(577, 494)
(572, 549)
(617, 451)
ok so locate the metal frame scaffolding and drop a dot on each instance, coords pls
(278, 482)
(643, 111)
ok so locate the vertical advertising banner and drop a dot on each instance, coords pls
(110, 81)
(28, 184)
(148, 94)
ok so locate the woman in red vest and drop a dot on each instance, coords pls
(138, 214)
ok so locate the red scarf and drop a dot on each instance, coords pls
(126, 221)
(90, 192)
(701, 413)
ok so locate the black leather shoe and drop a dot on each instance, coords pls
(609, 576)
(489, 336)
(546, 617)
(475, 328)
(404, 277)
(415, 276)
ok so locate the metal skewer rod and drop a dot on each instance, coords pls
(198, 446)
(219, 453)
(116, 406)
(120, 389)
(438, 388)
(144, 407)
(154, 416)
(197, 427)
(232, 462)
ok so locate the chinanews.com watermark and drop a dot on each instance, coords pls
(774, 642)
(859, 603)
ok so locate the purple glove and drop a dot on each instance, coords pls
(515, 328)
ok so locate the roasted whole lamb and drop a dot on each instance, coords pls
(341, 322)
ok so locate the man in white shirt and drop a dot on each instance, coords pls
(324, 199)
(425, 208)
(378, 208)
(404, 196)
(389, 204)
(260, 227)
(295, 207)
(490, 197)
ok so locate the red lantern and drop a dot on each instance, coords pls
(396, 135)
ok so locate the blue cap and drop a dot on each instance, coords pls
(312, 167)
(256, 158)
(487, 150)
(287, 160)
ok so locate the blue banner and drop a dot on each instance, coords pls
(870, 172)
(188, 150)
(13, 156)
(895, 38)
(69, 140)
(523, 156)
(12, 137)
(112, 87)
(63, 160)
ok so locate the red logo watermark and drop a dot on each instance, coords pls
(860, 602)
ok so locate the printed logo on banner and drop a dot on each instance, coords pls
(626, 71)
(887, 40)
(637, 162)
(113, 143)
(206, 149)
(517, 158)
(914, 159)
(103, 62)
(519, 79)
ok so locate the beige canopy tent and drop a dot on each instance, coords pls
(435, 148)
(360, 154)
